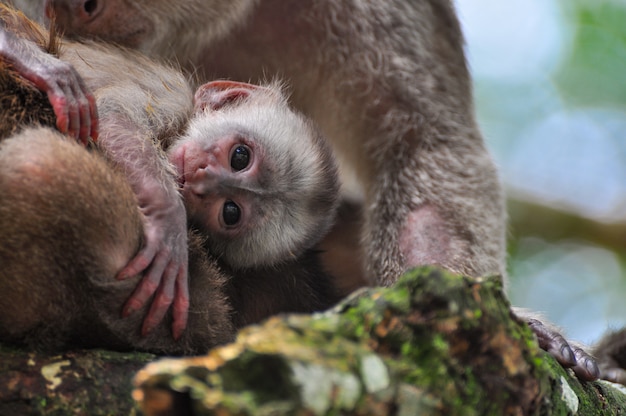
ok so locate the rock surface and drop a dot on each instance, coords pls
(434, 344)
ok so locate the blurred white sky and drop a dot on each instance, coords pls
(571, 157)
(564, 156)
(513, 39)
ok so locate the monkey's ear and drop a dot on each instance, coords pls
(217, 94)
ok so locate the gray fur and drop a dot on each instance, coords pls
(387, 83)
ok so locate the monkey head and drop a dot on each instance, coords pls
(148, 25)
(256, 176)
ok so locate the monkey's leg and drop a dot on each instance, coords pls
(66, 220)
(68, 224)
(432, 194)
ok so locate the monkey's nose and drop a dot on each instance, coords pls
(204, 181)
(90, 8)
(66, 11)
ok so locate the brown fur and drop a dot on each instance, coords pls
(22, 104)
(17, 23)
(70, 222)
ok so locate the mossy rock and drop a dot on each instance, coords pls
(434, 344)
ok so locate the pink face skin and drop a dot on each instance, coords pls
(219, 176)
(215, 180)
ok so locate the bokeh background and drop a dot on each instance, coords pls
(550, 87)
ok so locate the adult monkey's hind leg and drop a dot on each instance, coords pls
(66, 220)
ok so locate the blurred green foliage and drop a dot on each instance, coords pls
(594, 73)
(550, 87)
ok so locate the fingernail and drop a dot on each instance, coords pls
(146, 329)
(127, 311)
(568, 354)
(593, 368)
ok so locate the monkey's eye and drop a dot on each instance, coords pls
(231, 213)
(240, 158)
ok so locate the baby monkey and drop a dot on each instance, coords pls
(257, 178)
(261, 183)
(259, 189)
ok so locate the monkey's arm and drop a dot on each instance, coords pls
(73, 103)
(129, 141)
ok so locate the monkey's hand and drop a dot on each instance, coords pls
(550, 340)
(163, 260)
(73, 103)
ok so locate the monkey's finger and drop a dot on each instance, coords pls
(180, 309)
(73, 111)
(146, 287)
(138, 264)
(162, 300)
(59, 105)
(93, 115)
(586, 368)
(553, 342)
(84, 114)
(87, 108)
(56, 96)
(61, 97)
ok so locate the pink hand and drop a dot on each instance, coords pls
(73, 103)
(164, 260)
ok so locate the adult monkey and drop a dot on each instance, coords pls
(388, 84)
(386, 81)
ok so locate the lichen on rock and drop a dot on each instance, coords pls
(434, 344)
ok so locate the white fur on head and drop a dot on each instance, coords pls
(300, 181)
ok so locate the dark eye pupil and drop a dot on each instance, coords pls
(240, 158)
(231, 213)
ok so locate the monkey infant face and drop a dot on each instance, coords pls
(256, 177)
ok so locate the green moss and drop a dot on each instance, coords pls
(434, 344)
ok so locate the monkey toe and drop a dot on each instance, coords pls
(586, 367)
(615, 375)
(553, 342)
(576, 358)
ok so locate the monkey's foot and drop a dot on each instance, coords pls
(615, 375)
(583, 364)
